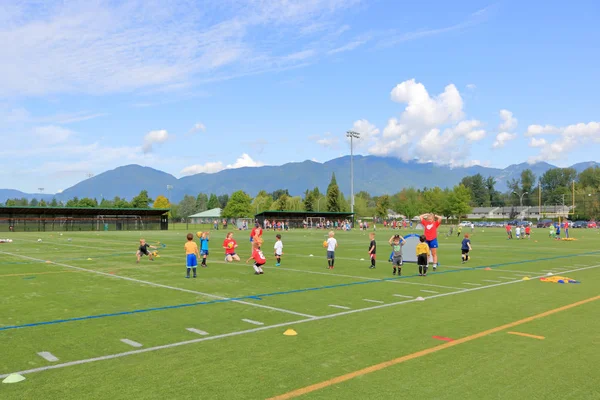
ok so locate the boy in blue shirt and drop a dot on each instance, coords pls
(204, 238)
(466, 248)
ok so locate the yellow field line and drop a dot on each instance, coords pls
(527, 335)
(378, 367)
(37, 273)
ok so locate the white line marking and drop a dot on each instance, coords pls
(166, 286)
(342, 307)
(428, 291)
(472, 284)
(276, 326)
(198, 331)
(253, 322)
(546, 270)
(521, 275)
(373, 301)
(48, 356)
(490, 280)
(490, 270)
(131, 343)
(403, 296)
(505, 277)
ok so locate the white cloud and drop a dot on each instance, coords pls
(368, 132)
(211, 167)
(471, 86)
(327, 140)
(154, 137)
(52, 134)
(569, 138)
(198, 127)
(537, 142)
(509, 123)
(502, 138)
(347, 47)
(431, 128)
(105, 47)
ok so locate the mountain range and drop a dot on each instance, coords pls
(376, 175)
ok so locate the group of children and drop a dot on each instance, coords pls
(521, 232)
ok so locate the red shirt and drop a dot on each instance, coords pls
(527, 230)
(508, 228)
(258, 256)
(229, 245)
(430, 229)
(256, 232)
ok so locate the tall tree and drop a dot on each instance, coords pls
(161, 202)
(308, 201)
(87, 202)
(557, 182)
(333, 196)
(238, 206)
(590, 177)
(121, 203)
(213, 202)
(262, 202)
(477, 187)
(457, 202)
(141, 200)
(74, 202)
(187, 206)
(433, 200)
(281, 203)
(34, 202)
(201, 202)
(383, 205)
(278, 193)
(527, 186)
(54, 203)
(223, 199)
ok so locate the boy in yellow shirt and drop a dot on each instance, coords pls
(422, 256)
(192, 254)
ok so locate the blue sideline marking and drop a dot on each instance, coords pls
(259, 296)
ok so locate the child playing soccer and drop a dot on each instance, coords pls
(518, 232)
(191, 254)
(422, 256)
(229, 244)
(459, 231)
(466, 248)
(372, 250)
(204, 238)
(257, 256)
(331, 246)
(143, 250)
(278, 249)
(528, 231)
(397, 242)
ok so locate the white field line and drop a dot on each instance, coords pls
(197, 331)
(374, 301)
(505, 277)
(472, 284)
(403, 296)
(341, 307)
(263, 328)
(164, 286)
(46, 355)
(131, 343)
(253, 322)
(362, 277)
(428, 291)
(492, 270)
(490, 280)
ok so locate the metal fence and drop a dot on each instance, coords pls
(29, 223)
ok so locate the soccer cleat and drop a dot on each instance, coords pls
(261, 272)
(277, 265)
(434, 267)
(187, 277)
(257, 273)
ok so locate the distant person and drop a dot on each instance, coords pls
(459, 231)
(332, 245)
(566, 228)
(528, 231)
(431, 222)
(509, 231)
(466, 248)
(422, 251)
(372, 250)
(143, 250)
(191, 254)
(397, 242)
(257, 256)
(255, 232)
(204, 238)
(557, 231)
(229, 244)
(552, 232)
(518, 232)
(472, 227)
(278, 248)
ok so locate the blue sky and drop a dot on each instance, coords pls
(87, 86)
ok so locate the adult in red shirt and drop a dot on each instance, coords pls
(256, 232)
(528, 231)
(431, 222)
(509, 231)
(229, 244)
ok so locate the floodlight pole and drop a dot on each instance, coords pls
(169, 187)
(352, 135)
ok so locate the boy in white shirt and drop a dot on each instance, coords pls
(331, 246)
(518, 232)
(278, 249)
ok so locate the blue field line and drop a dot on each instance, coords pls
(260, 296)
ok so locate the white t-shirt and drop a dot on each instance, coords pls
(518, 231)
(278, 247)
(331, 244)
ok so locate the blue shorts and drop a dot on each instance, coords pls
(433, 244)
(330, 255)
(192, 261)
(203, 252)
(251, 239)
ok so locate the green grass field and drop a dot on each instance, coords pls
(79, 310)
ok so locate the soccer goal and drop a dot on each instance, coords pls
(244, 223)
(314, 222)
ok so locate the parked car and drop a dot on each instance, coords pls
(579, 224)
(465, 223)
(592, 224)
(545, 223)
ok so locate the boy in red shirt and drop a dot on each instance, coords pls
(229, 244)
(257, 256)
(256, 232)
(528, 231)
(509, 231)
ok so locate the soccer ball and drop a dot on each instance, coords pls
(198, 234)
(39, 240)
(325, 243)
(230, 245)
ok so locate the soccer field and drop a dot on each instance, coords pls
(79, 319)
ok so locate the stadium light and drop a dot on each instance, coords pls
(352, 135)
(521, 197)
(169, 187)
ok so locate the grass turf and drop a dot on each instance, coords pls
(240, 360)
